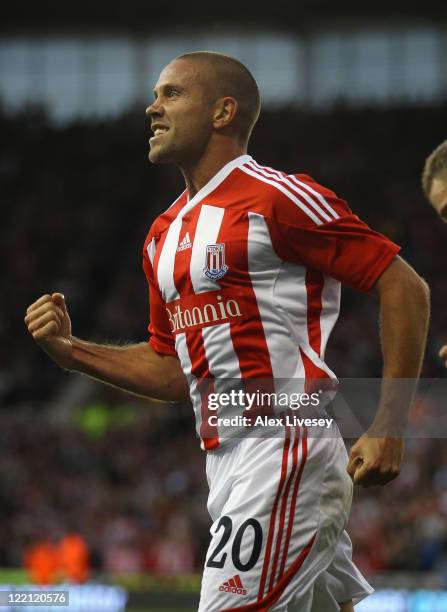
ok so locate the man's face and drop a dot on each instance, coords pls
(181, 114)
(438, 194)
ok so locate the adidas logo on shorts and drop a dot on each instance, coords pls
(234, 585)
(185, 243)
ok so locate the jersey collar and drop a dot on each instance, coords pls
(218, 179)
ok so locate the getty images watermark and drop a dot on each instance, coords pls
(264, 409)
(235, 408)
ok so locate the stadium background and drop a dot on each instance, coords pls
(357, 100)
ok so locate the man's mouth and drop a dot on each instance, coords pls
(159, 130)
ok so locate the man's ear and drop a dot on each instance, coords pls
(225, 110)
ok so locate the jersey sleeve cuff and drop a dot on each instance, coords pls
(380, 265)
(162, 347)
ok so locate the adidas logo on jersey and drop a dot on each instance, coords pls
(234, 585)
(185, 243)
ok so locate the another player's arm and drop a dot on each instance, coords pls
(135, 368)
(443, 354)
(434, 185)
(404, 313)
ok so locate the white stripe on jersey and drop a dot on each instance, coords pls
(219, 350)
(274, 174)
(185, 361)
(285, 191)
(321, 198)
(330, 309)
(290, 294)
(208, 226)
(165, 272)
(264, 267)
(151, 251)
(182, 351)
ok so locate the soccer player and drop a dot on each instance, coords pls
(244, 273)
(434, 184)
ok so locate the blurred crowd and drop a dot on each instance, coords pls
(77, 202)
(133, 489)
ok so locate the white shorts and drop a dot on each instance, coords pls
(279, 507)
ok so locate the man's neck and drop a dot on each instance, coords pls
(199, 174)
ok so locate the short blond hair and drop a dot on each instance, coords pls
(435, 163)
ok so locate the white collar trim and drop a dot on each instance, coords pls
(219, 178)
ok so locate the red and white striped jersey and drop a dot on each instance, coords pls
(244, 278)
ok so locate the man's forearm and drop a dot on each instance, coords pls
(404, 317)
(404, 314)
(135, 368)
(376, 457)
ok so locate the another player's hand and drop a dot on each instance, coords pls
(375, 461)
(443, 354)
(50, 326)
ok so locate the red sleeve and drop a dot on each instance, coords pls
(344, 247)
(161, 338)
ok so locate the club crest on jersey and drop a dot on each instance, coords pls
(215, 266)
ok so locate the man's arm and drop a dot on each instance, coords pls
(404, 313)
(135, 368)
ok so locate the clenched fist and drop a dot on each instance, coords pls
(375, 461)
(50, 326)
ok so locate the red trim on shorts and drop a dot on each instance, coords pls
(272, 597)
(282, 519)
(293, 503)
(273, 514)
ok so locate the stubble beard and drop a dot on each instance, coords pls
(159, 155)
(165, 153)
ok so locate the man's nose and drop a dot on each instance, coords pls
(154, 109)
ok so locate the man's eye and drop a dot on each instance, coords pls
(173, 93)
